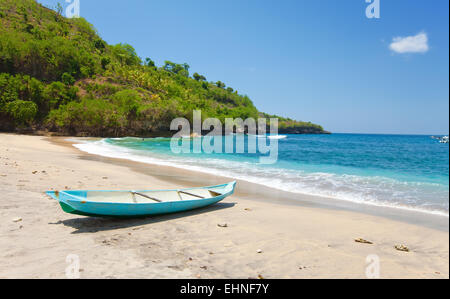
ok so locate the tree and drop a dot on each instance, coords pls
(220, 84)
(179, 69)
(149, 62)
(128, 101)
(67, 79)
(59, 9)
(100, 44)
(126, 54)
(186, 66)
(56, 94)
(105, 62)
(199, 77)
(23, 112)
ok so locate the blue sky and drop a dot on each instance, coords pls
(315, 60)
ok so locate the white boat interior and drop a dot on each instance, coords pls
(149, 196)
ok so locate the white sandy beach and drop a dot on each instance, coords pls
(297, 241)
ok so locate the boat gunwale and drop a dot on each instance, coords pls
(77, 199)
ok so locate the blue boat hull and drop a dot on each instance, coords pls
(77, 202)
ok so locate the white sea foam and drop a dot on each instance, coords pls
(270, 136)
(277, 136)
(376, 191)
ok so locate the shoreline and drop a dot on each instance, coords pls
(298, 239)
(247, 189)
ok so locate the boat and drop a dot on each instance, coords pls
(139, 203)
(443, 139)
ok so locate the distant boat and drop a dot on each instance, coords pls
(441, 139)
(139, 203)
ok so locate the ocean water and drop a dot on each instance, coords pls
(399, 171)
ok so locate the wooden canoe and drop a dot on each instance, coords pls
(139, 203)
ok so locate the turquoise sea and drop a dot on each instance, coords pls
(401, 171)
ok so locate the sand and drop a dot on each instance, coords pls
(266, 236)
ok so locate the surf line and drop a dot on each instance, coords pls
(233, 130)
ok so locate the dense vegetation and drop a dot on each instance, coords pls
(57, 74)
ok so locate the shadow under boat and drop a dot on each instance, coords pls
(98, 224)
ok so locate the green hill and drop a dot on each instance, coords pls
(58, 75)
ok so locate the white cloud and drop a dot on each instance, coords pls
(410, 44)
